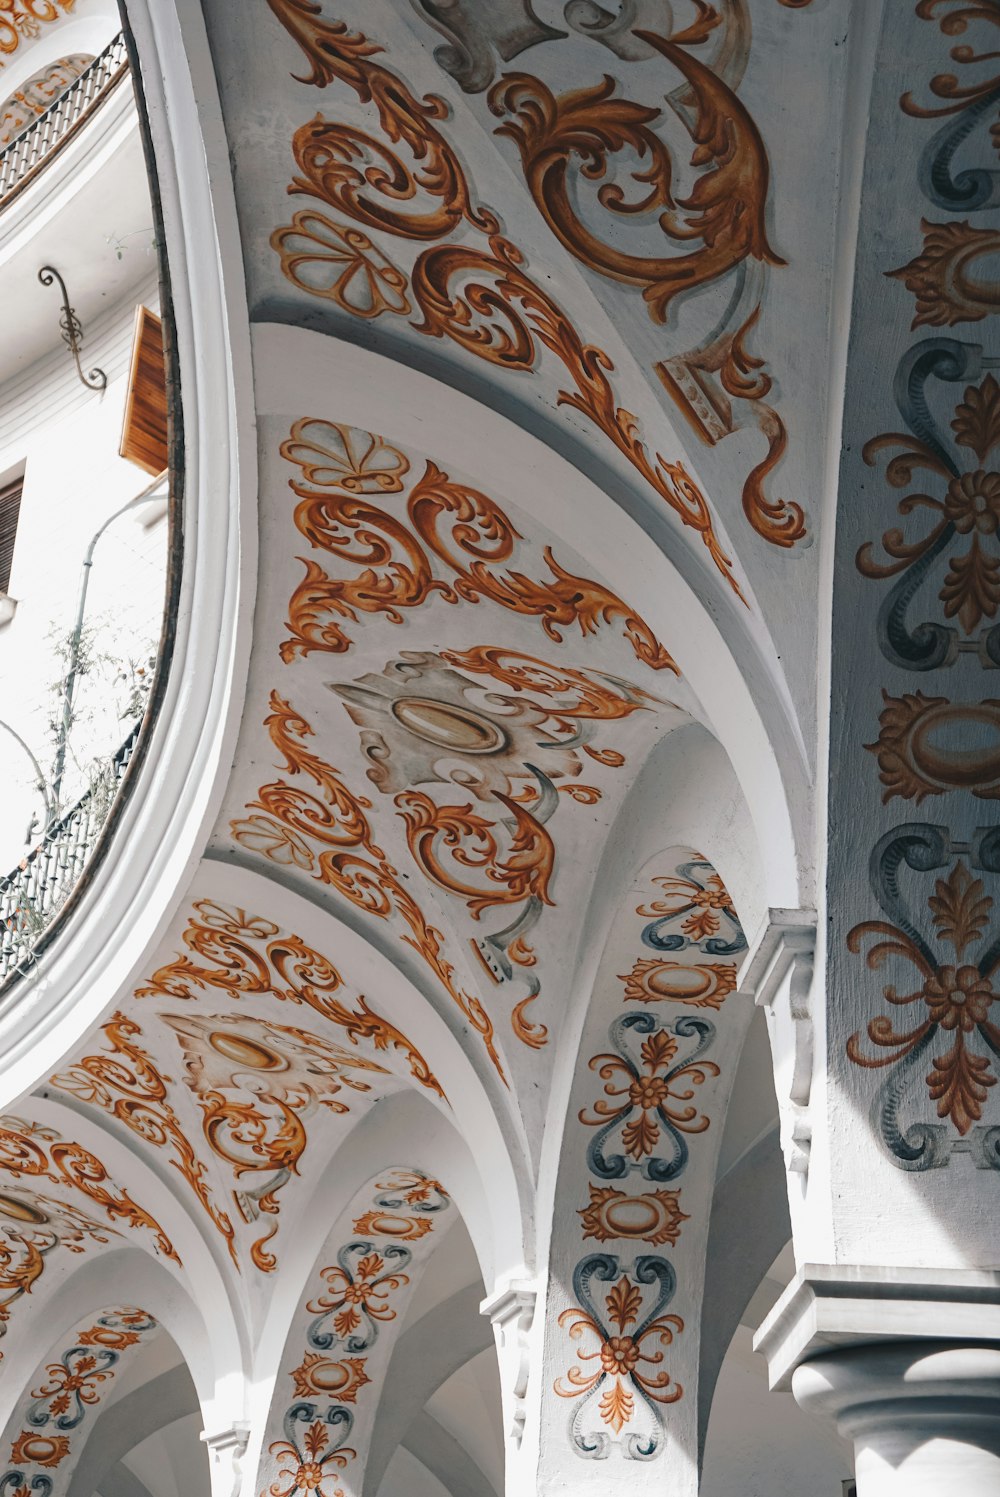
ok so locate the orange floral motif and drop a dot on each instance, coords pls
(242, 954)
(644, 1095)
(325, 152)
(956, 998)
(126, 1084)
(626, 1341)
(348, 859)
(340, 262)
(312, 1467)
(366, 1291)
(341, 466)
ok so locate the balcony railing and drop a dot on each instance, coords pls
(34, 893)
(34, 147)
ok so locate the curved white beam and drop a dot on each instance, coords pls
(125, 1424)
(426, 1356)
(446, 1459)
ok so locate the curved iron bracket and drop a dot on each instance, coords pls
(72, 331)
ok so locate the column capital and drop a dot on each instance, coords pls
(827, 1306)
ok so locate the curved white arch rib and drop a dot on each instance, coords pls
(163, 824)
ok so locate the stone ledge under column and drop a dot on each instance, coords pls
(834, 1305)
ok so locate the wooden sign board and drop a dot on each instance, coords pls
(144, 430)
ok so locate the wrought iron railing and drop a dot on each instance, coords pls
(33, 894)
(29, 152)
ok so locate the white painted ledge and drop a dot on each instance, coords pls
(828, 1306)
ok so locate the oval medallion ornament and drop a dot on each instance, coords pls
(449, 726)
(326, 1378)
(246, 1053)
(39, 1450)
(929, 745)
(702, 985)
(654, 1217)
(21, 1211)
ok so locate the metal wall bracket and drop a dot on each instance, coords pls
(72, 330)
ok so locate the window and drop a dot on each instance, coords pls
(10, 505)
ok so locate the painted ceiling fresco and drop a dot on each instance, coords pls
(570, 209)
(23, 21)
(208, 1068)
(471, 868)
(451, 709)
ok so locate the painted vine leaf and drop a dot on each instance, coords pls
(971, 588)
(959, 1083)
(977, 418)
(624, 1301)
(617, 1405)
(960, 908)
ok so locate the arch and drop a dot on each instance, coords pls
(344, 1328)
(724, 658)
(117, 1430)
(127, 1275)
(426, 1355)
(55, 1414)
(89, 1353)
(78, 1195)
(648, 1102)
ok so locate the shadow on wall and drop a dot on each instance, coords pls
(760, 1443)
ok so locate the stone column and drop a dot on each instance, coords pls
(907, 1362)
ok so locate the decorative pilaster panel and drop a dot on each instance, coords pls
(337, 1352)
(653, 1077)
(45, 1435)
(915, 764)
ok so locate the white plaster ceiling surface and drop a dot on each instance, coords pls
(446, 709)
(626, 199)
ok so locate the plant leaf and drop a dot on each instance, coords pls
(972, 587)
(959, 1083)
(977, 418)
(616, 1405)
(959, 908)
